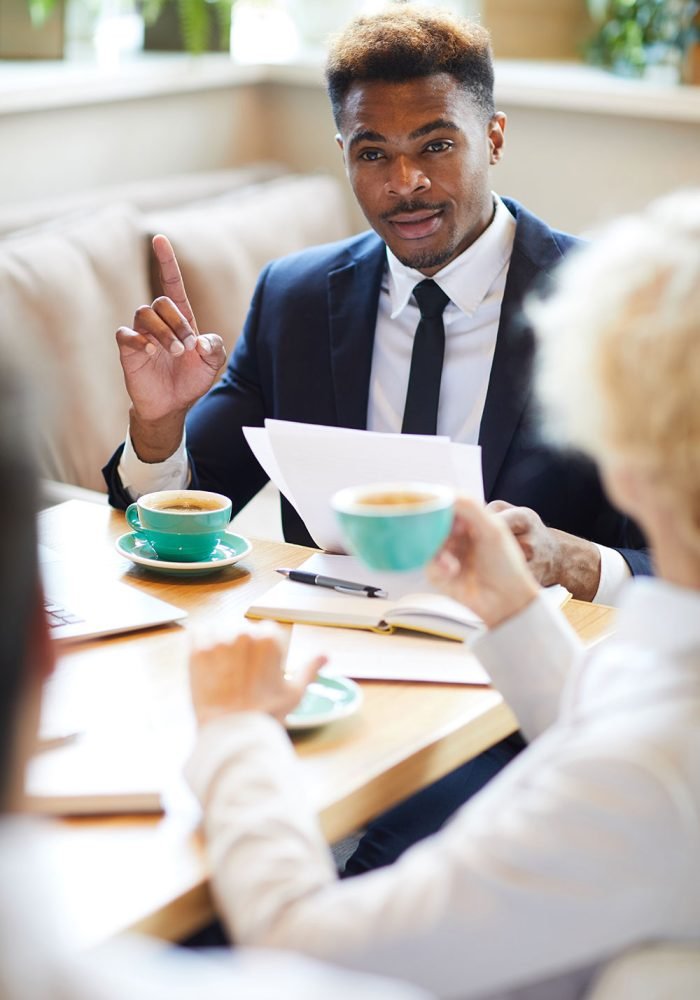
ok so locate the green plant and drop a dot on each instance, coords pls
(39, 10)
(195, 19)
(634, 34)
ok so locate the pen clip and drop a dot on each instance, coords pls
(364, 591)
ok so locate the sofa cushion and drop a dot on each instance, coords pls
(223, 244)
(147, 195)
(64, 290)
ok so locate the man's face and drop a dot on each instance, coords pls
(417, 155)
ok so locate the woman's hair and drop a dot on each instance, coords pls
(619, 359)
(404, 42)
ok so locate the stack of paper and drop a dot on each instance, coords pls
(308, 463)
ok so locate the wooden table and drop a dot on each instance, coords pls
(149, 873)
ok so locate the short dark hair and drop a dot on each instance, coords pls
(405, 42)
(18, 555)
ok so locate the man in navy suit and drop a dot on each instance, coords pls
(330, 332)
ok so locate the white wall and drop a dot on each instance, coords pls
(576, 169)
(65, 150)
(572, 165)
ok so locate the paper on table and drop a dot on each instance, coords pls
(310, 462)
(397, 657)
(84, 778)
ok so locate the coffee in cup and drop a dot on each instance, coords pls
(395, 526)
(181, 525)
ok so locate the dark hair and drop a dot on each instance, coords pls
(405, 42)
(18, 557)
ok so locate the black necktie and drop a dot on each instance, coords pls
(423, 395)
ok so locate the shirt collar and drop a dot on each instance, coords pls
(660, 616)
(483, 260)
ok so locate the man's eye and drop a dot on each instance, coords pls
(438, 146)
(371, 155)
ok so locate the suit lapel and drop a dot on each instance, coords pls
(353, 300)
(510, 384)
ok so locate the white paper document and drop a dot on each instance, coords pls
(309, 462)
(398, 657)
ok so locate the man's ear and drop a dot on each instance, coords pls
(496, 136)
(341, 147)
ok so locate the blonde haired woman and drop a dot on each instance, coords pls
(587, 845)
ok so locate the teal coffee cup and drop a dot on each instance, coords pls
(181, 525)
(395, 526)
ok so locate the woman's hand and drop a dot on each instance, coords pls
(481, 565)
(246, 674)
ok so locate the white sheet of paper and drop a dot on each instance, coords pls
(259, 443)
(398, 657)
(314, 461)
(466, 468)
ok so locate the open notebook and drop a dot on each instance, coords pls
(431, 614)
(412, 604)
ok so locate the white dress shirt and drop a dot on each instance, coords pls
(39, 961)
(587, 844)
(475, 282)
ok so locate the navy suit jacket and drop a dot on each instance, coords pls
(306, 352)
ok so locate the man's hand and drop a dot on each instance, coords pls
(245, 674)
(553, 556)
(167, 364)
(482, 566)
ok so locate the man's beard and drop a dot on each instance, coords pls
(426, 259)
(423, 260)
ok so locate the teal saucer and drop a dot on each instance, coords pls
(230, 549)
(325, 700)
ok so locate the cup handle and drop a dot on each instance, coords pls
(132, 516)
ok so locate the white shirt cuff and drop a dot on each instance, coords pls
(614, 572)
(146, 477)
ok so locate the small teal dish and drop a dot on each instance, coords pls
(395, 526)
(180, 525)
(325, 700)
(229, 550)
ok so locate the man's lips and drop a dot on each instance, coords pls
(416, 225)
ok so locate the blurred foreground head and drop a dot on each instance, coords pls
(20, 604)
(620, 360)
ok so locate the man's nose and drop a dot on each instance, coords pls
(406, 177)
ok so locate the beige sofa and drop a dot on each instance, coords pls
(73, 270)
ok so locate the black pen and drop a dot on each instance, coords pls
(342, 586)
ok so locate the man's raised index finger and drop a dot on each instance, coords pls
(171, 278)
